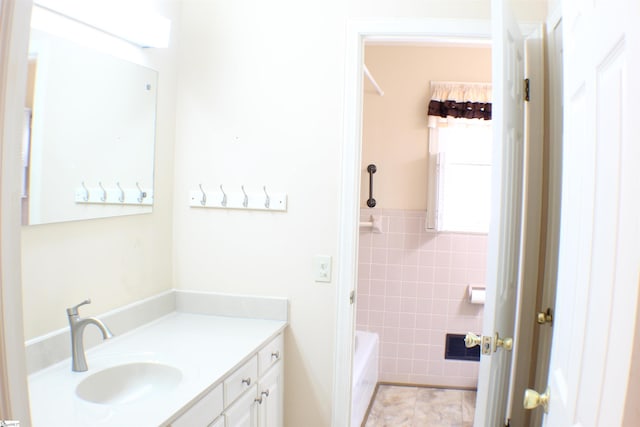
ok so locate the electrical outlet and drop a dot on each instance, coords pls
(322, 268)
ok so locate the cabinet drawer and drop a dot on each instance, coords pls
(270, 354)
(203, 412)
(239, 381)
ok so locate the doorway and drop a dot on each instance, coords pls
(435, 31)
(413, 282)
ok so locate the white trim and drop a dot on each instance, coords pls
(14, 41)
(525, 325)
(357, 32)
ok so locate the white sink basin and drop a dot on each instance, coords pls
(128, 382)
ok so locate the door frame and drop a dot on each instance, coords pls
(14, 41)
(358, 31)
(549, 253)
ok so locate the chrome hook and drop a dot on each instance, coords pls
(121, 196)
(203, 201)
(86, 192)
(267, 201)
(142, 194)
(245, 202)
(223, 202)
(104, 193)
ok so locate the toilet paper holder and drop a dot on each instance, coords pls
(476, 294)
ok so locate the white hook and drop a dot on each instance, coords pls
(104, 192)
(224, 197)
(267, 201)
(121, 196)
(245, 202)
(203, 201)
(142, 194)
(86, 192)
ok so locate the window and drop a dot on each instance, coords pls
(460, 176)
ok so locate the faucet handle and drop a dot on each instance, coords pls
(73, 311)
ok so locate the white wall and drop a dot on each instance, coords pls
(394, 132)
(261, 103)
(114, 261)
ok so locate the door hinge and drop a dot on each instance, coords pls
(352, 297)
(526, 90)
(543, 317)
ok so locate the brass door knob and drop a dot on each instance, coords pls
(472, 340)
(533, 399)
(506, 343)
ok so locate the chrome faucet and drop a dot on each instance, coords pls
(77, 325)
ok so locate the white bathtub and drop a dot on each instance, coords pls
(365, 374)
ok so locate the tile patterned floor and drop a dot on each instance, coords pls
(399, 406)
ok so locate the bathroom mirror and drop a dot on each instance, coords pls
(88, 145)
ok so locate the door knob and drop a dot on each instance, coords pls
(533, 399)
(544, 317)
(506, 343)
(472, 340)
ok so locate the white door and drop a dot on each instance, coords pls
(599, 254)
(506, 215)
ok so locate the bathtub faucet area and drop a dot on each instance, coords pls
(77, 325)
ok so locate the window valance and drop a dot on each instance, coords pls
(459, 100)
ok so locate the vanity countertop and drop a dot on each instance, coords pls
(205, 348)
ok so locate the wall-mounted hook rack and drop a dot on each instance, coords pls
(141, 194)
(121, 196)
(103, 193)
(113, 195)
(85, 196)
(267, 200)
(244, 199)
(223, 202)
(203, 199)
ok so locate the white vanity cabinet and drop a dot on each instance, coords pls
(262, 405)
(215, 341)
(251, 396)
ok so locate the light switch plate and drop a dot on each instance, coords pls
(322, 268)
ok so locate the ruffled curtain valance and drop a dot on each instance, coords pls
(460, 100)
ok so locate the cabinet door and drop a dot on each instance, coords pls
(271, 397)
(243, 413)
